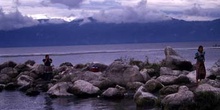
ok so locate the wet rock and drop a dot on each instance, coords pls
(144, 99)
(38, 69)
(166, 90)
(83, 88)
(153, 85)
(207, 97)
(10, 72)
(66, 64)
(60, 89)
(32, 92)
(121, 73)
(24, 80)
(2, 86)
(11, 86)
(115, 93)
(183, 99)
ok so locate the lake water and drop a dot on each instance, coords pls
(91, 53)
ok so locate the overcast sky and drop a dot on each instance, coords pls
(24, 12)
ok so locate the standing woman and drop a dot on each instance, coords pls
(200, 65)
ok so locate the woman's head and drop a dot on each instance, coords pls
(200, 49)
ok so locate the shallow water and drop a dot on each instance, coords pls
(19, 101)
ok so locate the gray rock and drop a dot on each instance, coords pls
(30, 62)
(95, 78)
(60, 89)
(166, 90)
(24, 80)
(174, 61)
(134, 85)
(66, 64)
(207, 97)
(183, 99)
(121, 73)
(153, 85)
(4, 79)
(8, 64)
(145, 74)
(145, 99)
(83, 88)
(182, 79)
(10, 72)
(169, 71)
(22, 68)
(115, 93)
(167, 79)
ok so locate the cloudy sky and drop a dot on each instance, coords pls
(22, 13)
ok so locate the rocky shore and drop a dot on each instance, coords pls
(169, 85)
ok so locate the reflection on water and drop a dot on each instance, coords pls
(19, 101)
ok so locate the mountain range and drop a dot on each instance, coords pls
(94, 33)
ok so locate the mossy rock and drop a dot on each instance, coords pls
(206, 100)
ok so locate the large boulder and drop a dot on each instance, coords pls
(22, 68)
(121, 73)
(175, 61)
(145, 99)
(60, 89)
(215, 69)
(24, 80)
(169, 71)
(207, 97)
(169, 80)
(153, 85)
(10, 72)
(166, 90)
(83, 88)
(115, 93)
(8, 64)
(183, 99)
(95, 78)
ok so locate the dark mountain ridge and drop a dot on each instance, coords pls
(94, 33)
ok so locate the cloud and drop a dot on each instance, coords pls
(69, 3)
(139, 14)
(15, 20)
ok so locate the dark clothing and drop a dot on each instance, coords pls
(48, 71)
(47, 62)
(200, 65)
(200, 70)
